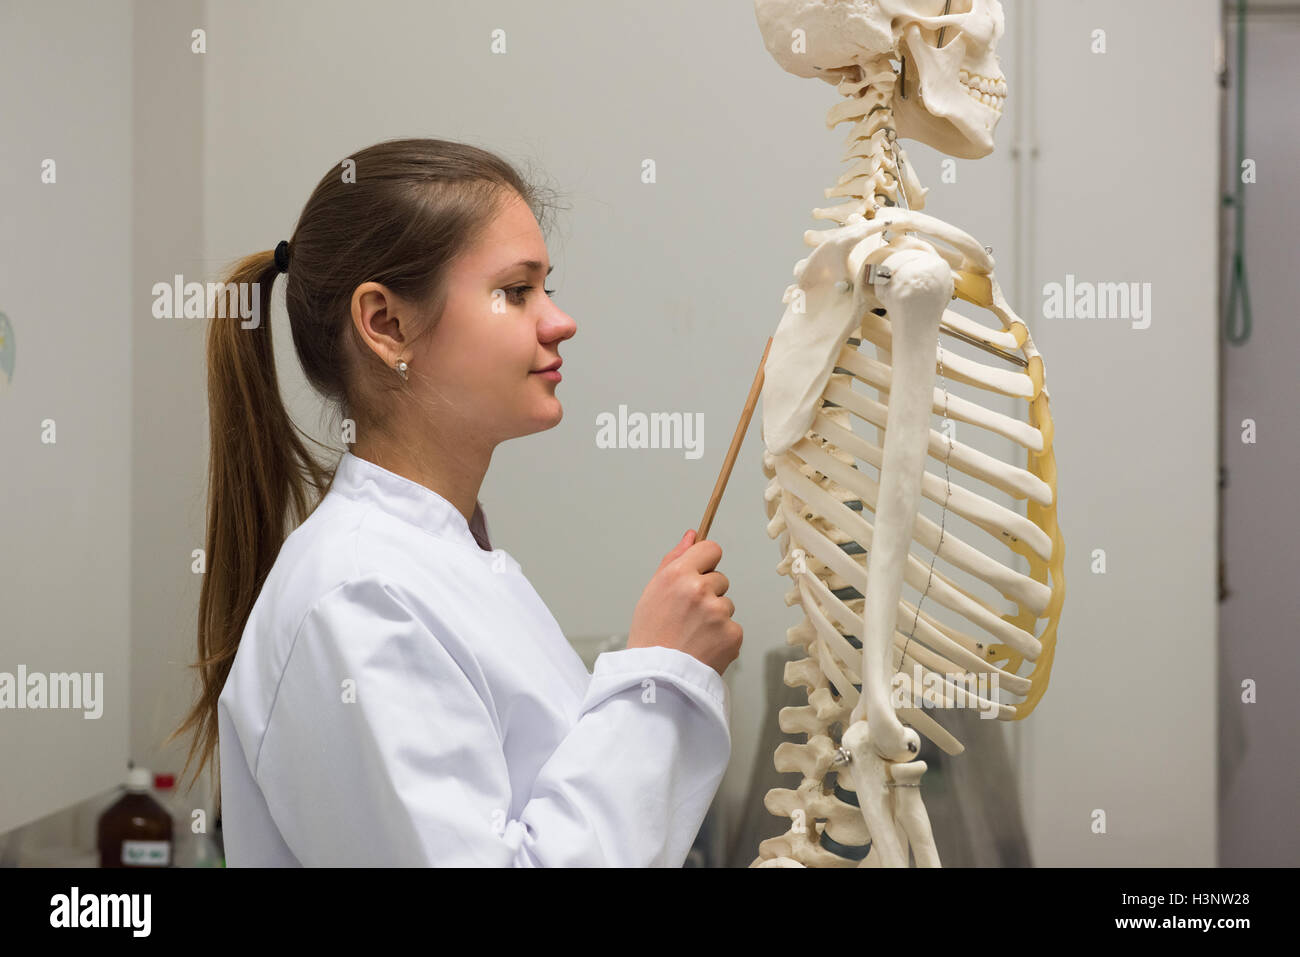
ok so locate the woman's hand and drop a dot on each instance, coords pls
(683, 606)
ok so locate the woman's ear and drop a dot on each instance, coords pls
(380, 319)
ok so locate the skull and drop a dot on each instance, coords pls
(950, 96)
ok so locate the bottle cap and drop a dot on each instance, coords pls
(139, 779)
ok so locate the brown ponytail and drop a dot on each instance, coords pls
(408, 209)
(258, 468)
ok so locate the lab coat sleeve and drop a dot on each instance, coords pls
(382, 748)
(631, 783)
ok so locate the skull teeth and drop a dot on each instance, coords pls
(985, 84)
(991, 91)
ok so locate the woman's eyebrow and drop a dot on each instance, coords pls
(530, 263)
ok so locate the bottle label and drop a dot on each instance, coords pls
(146, 853)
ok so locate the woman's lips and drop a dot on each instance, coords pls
(552, 373)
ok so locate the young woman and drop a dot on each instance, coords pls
(382, 686)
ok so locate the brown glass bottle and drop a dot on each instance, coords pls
(136, 831)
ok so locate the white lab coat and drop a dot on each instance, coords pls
(402, 696)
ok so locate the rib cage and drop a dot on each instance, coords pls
(818, 503)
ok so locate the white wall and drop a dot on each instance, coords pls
(169, 479)
(65, 284)
(1126, 191)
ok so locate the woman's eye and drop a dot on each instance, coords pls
(522, 293)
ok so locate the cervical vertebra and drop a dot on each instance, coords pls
(884, 275)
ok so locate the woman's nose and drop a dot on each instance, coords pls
(559, 325)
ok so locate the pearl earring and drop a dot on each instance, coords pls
(401, 368)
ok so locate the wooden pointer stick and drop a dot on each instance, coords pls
(741, 428)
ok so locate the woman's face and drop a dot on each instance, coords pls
(499, 327)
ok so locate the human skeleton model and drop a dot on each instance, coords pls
(884, 275)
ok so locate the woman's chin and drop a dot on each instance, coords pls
(545, 418)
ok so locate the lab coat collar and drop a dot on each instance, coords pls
(364, 481)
